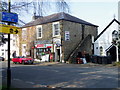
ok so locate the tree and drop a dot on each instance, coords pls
(39, 7)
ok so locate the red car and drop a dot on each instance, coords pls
(23, 60)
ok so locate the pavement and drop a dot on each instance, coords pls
(82, 65)
(59, 63)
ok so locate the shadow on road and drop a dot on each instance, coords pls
(42, 75)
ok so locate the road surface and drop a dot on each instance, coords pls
(61, 75)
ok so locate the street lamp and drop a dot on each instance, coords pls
(115, 39)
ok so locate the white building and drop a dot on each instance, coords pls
(105, 40)
(119, 15)
(14, 42)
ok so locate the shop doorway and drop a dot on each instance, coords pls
(58, 55)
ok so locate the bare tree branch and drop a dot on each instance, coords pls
(34, 7)
(62, 6)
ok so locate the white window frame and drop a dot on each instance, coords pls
(54, 29)
(24, 49)
(37, 32)
(24, 33)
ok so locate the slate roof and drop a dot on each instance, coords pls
(57, 17)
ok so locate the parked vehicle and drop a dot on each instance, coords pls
(23, 60)
(2, 58)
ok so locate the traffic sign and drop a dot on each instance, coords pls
(9, 29)
(8, 17)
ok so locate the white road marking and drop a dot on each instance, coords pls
(29, 82)
(2, 70)
(25, 81)
(17, 79)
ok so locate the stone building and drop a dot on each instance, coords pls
(60, 34)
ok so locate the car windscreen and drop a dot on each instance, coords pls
(21, 57)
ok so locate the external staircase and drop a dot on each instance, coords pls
(82, 46)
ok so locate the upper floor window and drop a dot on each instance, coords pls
(24, 33)
(83, 31)
(56, 29)
(39, 31)
(13, 42)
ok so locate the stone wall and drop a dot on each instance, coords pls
(46, 32)
(28, 39)
(31, 36)
(75, 30)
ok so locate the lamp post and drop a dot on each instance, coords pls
(115, 37)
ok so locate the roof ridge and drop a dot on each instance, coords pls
(56, 17)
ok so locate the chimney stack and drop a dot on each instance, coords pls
(36, 17)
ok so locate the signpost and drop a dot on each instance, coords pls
(67, 35)
(8, 17)
(9, 29)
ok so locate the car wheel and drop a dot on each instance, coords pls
(32, 62)
(29, 61)
(23, 62)
(15, 62)
(3, 59)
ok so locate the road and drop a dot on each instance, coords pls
(61, 75)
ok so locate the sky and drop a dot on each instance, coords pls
(98, 12)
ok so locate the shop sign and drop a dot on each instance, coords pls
(48, 45)
(43, 45)
(67, 35)
(8, 17)
(43, 42)
(57, 41)
(40, 46)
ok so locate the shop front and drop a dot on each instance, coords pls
(48, 50)
(43, 51)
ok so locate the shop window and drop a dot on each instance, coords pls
(56, 29)
(39, 32)
(42, 51)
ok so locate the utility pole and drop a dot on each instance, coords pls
(8, 69)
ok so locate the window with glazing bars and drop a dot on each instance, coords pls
(56, 29)
(39, 32)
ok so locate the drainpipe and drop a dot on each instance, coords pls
(117, 58)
